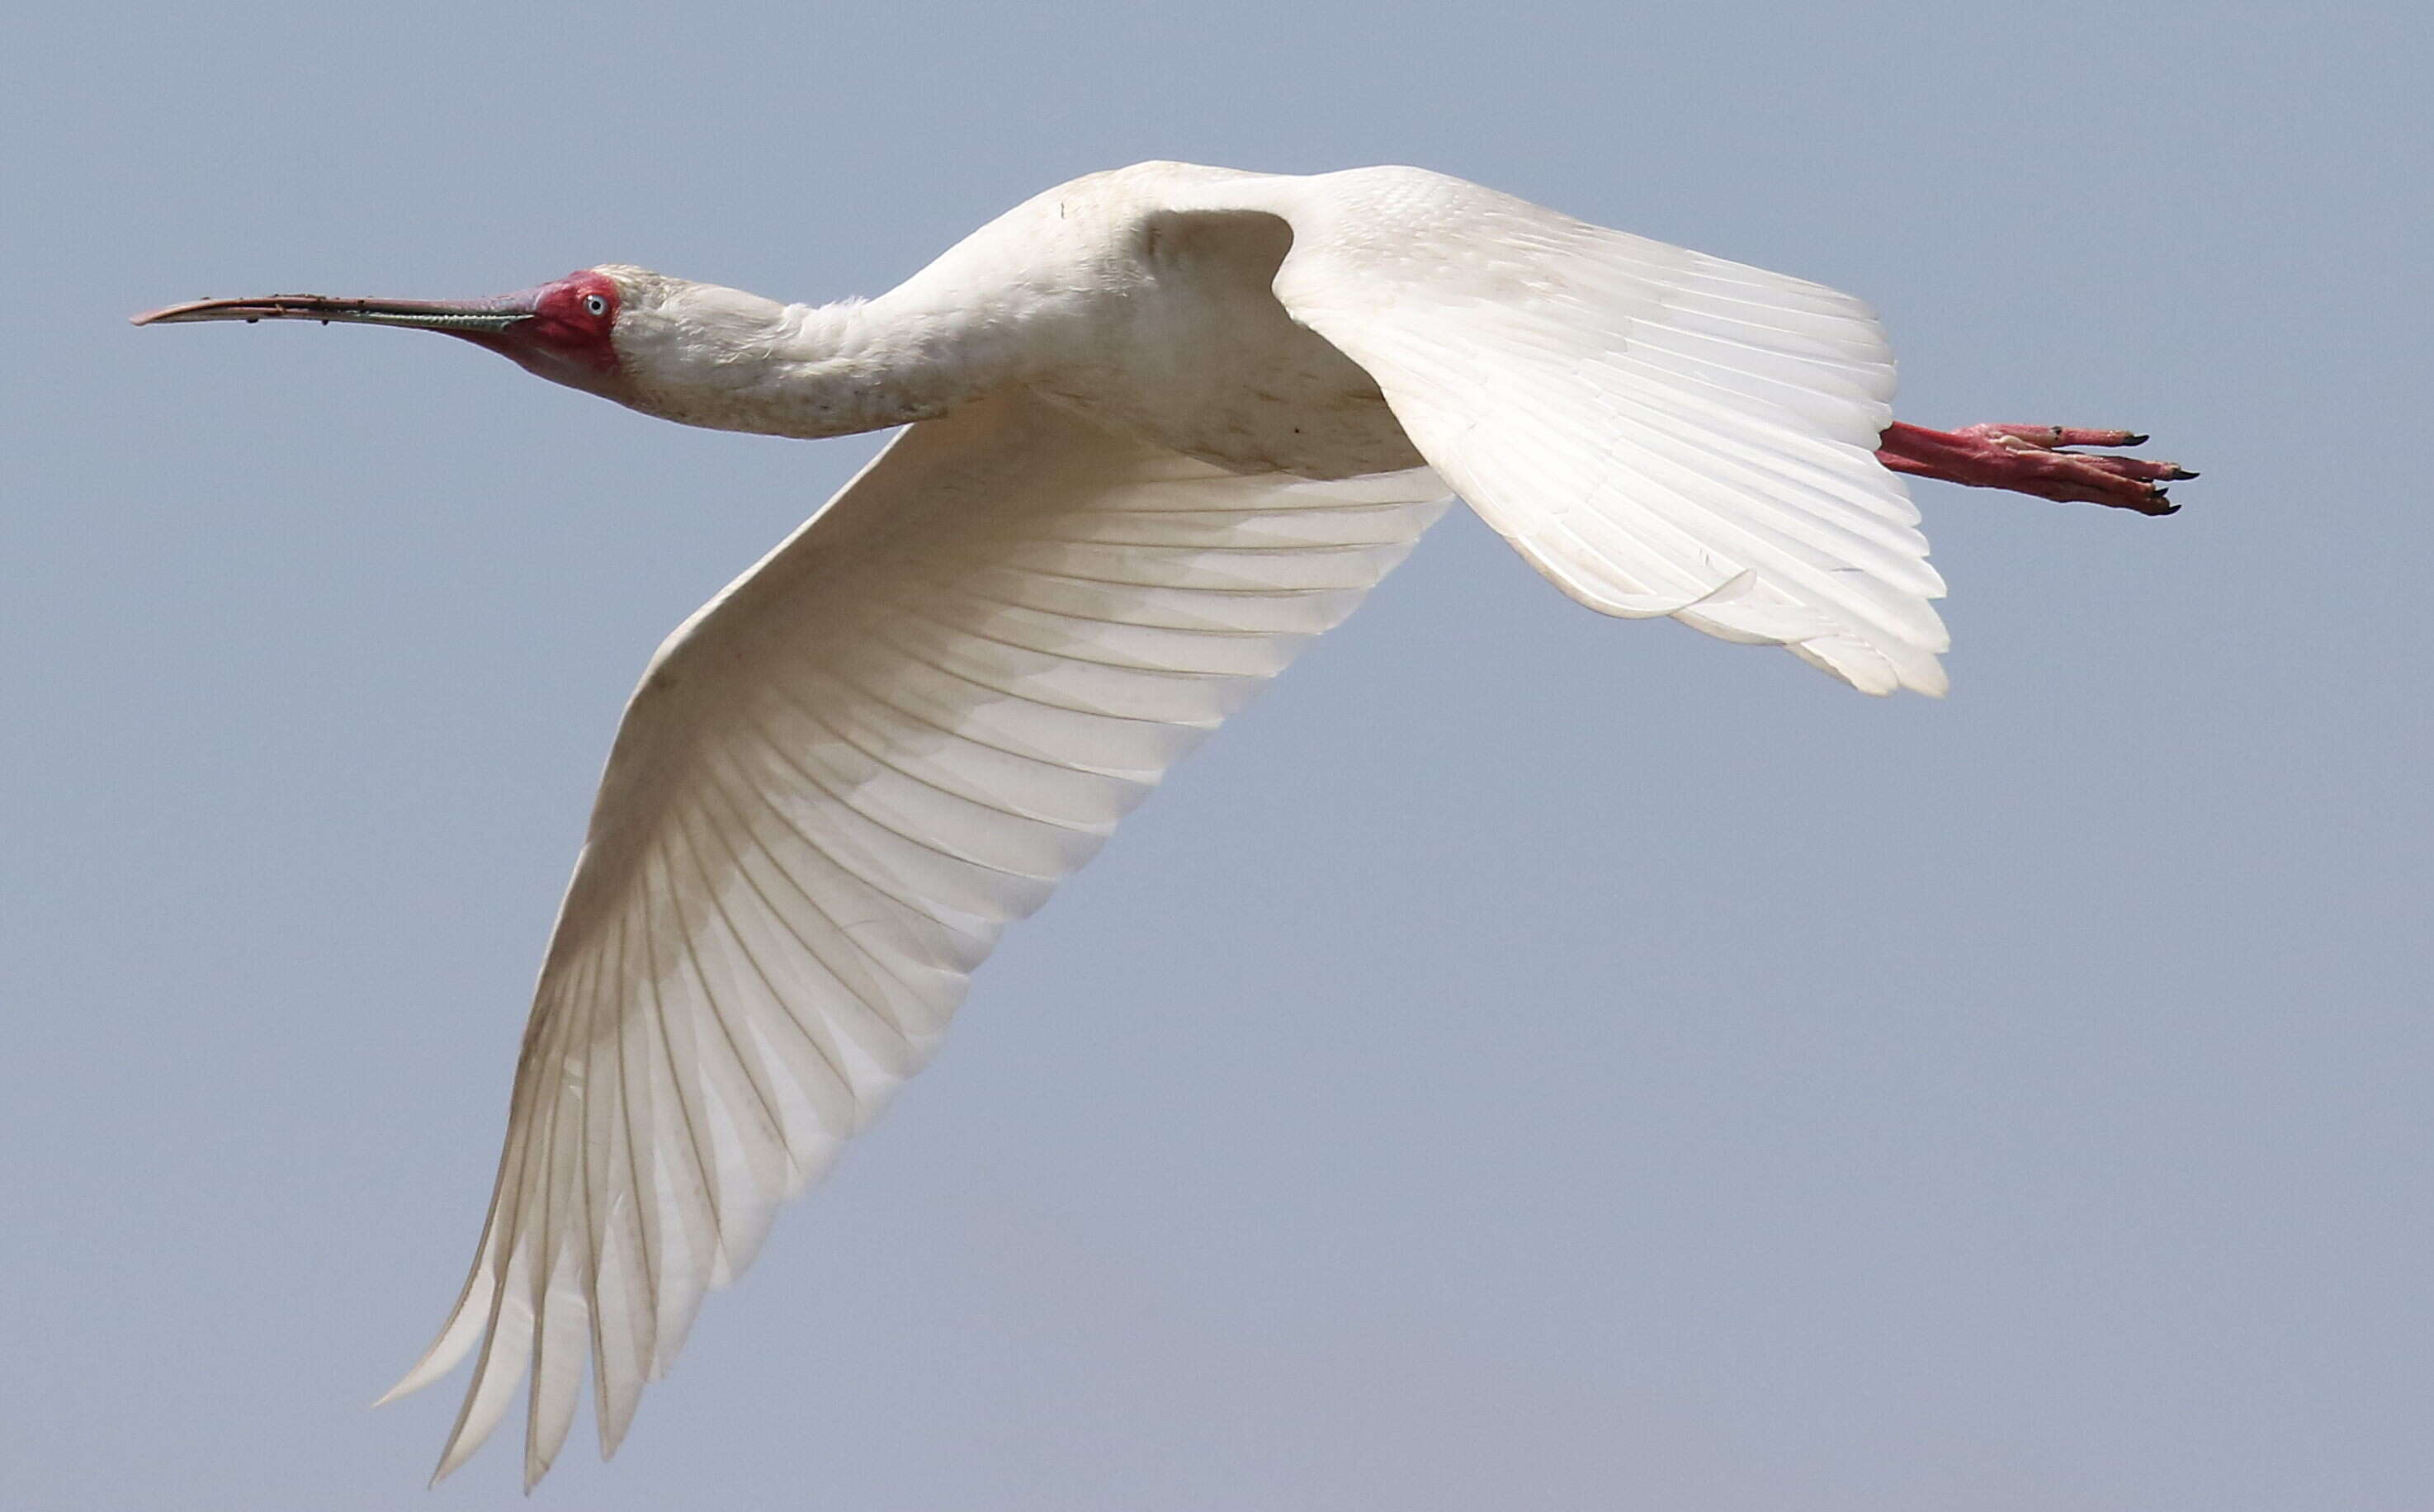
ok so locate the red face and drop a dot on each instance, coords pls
(566, 339)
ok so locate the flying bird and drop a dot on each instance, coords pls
(1160, 426)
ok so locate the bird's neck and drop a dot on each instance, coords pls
(728, 360)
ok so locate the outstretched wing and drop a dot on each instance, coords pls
(835, 785)
(1658, 431)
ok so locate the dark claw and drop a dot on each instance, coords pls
(2042, 460)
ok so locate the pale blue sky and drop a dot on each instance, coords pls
(1527, 1061)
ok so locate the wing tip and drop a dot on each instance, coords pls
(446, 1352)
(1872, 669)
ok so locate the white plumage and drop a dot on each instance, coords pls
(829, 796)
(1165, 425)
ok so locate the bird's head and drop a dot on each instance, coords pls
(565, 330)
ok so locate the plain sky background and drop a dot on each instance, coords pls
(1527, 1061)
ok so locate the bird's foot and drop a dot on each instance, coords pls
(2030, 459)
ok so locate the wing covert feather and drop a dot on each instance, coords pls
(833, 787)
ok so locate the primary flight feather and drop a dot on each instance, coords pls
(1162, 426)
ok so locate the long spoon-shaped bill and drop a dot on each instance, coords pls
(462, 316)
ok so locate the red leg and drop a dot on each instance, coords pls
(2027, 459)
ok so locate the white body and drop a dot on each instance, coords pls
(1165, 425)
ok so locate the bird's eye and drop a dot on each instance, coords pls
(596, 304)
